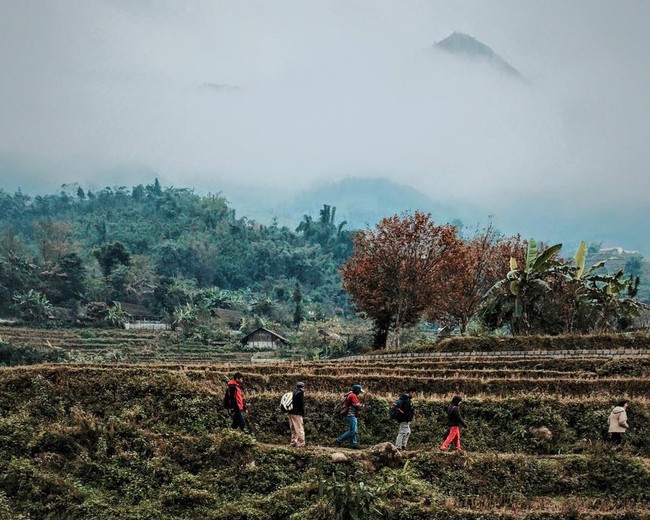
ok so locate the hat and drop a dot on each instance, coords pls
(300, 383)
(357, 388)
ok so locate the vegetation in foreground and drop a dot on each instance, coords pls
(136, 442)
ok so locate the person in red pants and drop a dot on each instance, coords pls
(454, 421)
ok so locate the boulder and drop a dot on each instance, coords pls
(338, 456)
(386, 454)
(541, 433)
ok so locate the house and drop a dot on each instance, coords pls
(229, 318)
(617, 251)
(263, 339)
(137, 312)
(140, 317)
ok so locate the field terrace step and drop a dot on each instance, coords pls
(504, 353)
(496, 422)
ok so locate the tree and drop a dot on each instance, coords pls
(167, 295)
(395, 271)
(53, 238)
(64, 281)
(479, 264)
(17, 275)
(298, 313)
(110, 256)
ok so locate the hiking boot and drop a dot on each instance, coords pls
(338, 443)
(355, 447)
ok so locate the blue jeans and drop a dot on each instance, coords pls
(352, 433)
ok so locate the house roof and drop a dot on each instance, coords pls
(135, 310)
(274, 334)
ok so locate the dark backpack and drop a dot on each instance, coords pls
(396, 411)
(228, 399)
(342, 408)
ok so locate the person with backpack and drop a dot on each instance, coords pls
(618, 422)
(234, 402)
(296, 415)
(402, 411)
(351, 407)
(454, 421)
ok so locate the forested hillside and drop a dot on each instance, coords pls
(162, 247)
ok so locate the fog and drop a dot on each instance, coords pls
(280, 96)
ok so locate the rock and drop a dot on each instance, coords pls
(338, 456)
(541, 433)
(386, 454)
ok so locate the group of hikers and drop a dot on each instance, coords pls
(401, 410)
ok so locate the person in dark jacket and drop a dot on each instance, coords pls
(405, 414)
(237, 403)
(454, 421)
(296, 415)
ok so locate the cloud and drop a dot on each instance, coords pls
(286, 94)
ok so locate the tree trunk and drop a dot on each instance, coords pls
(380, 337)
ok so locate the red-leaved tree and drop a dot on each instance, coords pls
(478, 264)
(396, 270)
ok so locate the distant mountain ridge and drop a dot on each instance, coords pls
(461, 44)
(364, 202)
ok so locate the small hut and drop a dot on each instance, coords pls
(263, 339)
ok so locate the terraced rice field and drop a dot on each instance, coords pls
(149, 440)
(134, 346)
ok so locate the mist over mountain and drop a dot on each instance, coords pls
(269, 102)
(362, 202)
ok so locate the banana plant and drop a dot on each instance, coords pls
(615, 297)
(33, 305)
(612, 297)
(185, 317)
(522, 282)
(116, 315)
(538, 266)
(577, 303)
(577, 271)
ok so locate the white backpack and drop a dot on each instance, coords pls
(286, 402)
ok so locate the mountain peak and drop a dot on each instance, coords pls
(461, 44)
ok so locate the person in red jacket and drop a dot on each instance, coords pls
(353, 405)
(237, 403)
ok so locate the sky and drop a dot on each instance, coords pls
(279, 96)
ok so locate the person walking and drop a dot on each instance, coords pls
(403, 411)
(618, 422)
(236, 403)
(454, 421)
(352, 405)
(296, 415)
